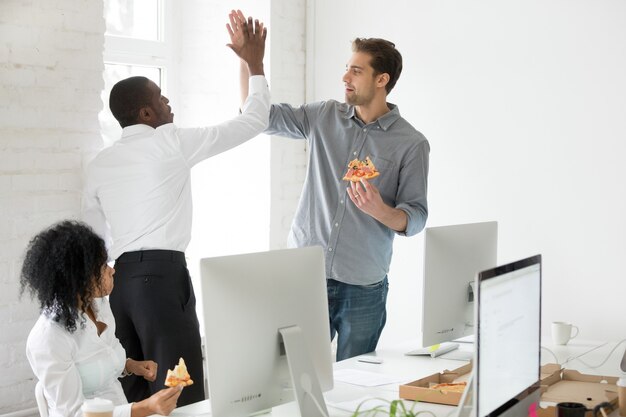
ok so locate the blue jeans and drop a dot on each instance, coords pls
(357, 314)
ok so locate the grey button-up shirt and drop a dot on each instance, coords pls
(358, 248)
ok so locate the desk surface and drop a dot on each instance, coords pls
(409, 368)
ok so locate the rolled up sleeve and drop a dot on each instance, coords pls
(413, 188)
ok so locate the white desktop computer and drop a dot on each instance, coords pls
(453, 255)
(506, 375)
(267, 331)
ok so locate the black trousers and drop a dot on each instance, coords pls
(155, 316)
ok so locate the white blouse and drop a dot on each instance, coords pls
(79, 365)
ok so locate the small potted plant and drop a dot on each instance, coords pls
(393, 408)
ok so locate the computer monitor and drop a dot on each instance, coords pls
(267, 331)
(506, 375)
(453, 255)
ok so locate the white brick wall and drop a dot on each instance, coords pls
(50, 82)
(287, 157)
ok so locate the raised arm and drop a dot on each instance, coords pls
(247, 40)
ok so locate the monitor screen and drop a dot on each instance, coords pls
(508, 337)
(248, 301)
(453, 255)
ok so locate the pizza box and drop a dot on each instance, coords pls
(420, 390)
(567, 385)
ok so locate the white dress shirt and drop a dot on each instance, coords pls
(79, 365)
(138, 191)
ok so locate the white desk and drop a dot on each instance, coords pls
(563, 354)
(406, 369)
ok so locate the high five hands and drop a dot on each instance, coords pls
(247, 40)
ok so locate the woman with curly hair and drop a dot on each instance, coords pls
(72, 348)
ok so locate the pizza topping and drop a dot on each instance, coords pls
(358, 170)
(450, 387)
(178, 376)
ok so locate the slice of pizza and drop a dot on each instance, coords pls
(450, 387)
(178, 376)
(358, 170)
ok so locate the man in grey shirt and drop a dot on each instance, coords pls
(356, 223)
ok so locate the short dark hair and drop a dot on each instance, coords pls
(61, 266)
(385, 57)
(127, 98)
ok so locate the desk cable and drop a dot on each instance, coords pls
(605, 359)
(556, 360)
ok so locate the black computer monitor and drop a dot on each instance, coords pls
(267, 331)
(506, 375)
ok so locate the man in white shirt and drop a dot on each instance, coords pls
(138, 194)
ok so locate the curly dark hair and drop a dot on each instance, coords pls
(62, 265)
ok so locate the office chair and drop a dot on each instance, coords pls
(42, 404)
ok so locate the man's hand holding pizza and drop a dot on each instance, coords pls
(367, 197)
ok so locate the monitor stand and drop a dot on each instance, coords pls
(305, 382)
(527, 406)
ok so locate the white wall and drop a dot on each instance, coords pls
(524, 105)
(50, 83)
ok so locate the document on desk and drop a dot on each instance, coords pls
(364, 378)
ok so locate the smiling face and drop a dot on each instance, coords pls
(157, 112)
(359, 80)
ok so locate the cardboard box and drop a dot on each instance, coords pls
(566, 385)
(420, 390)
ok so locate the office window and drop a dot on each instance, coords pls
(139, 19)
(137, 42)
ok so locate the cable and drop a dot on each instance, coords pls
(605, 359)
(556, 360)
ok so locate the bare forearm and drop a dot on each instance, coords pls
(141, 409)
(393, 218)
(244, 80)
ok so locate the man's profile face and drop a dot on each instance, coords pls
(359, 80)
(159, 105)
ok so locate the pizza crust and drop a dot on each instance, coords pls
(356, 178)
(178, 376)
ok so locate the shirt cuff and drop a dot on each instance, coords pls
(257, 84)
(123, 410)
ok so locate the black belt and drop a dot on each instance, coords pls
(152, 255)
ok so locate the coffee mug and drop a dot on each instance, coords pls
(562, 332)
(570, 410)
(97, 407)
(579, 410)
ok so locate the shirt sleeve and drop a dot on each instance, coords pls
(51, 356)
(93, 215)
(412, 190)
(288, 121)
(198, 144)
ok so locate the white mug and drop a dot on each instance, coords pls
(97, 407)
(562, 332)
